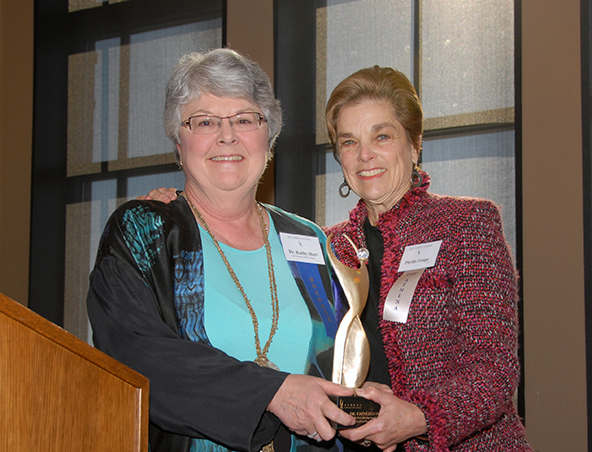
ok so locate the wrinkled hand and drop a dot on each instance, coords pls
(397, 421)
(303, 405)
(161, 194)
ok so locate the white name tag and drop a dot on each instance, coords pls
(398, 300)
(420, 256)
(416, 258)
(302, 248)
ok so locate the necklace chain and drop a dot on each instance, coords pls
(261, 354)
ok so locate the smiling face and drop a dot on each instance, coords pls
(376, 155)
(226, 160)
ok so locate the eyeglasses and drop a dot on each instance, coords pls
(241, 122)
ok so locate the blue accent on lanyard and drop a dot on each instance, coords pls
(311, 277)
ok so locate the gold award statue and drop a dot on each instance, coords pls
(351, 359)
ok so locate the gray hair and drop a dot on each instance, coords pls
(223, 73)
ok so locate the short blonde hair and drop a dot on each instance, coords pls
(380, 84)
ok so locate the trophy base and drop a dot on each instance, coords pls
(362, 409)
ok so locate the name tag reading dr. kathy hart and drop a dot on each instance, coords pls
(416, 258)
(302, 248)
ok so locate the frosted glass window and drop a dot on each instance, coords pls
(106, 98)
(152, 57)
(143, 184)
(467, 56)
(330, 207)
(360, 33)
(353, 34)
(116, 97)
(480, 166)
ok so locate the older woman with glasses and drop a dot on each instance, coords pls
(204, 295)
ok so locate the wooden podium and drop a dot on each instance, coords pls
(57, 393)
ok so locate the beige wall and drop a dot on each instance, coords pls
(16, 105)
(553, 259)
(553, 277)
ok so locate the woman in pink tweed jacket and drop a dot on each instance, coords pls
(444, 375)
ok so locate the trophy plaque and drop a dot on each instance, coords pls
(351, 358)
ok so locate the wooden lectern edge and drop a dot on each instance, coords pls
(76, 347)
(60, 336)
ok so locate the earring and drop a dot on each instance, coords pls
(180, 164)
(416, 177)
(342, 187)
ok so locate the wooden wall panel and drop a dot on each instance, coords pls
(552, 200)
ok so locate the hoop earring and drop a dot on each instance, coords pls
(342, 188)
(416, 177)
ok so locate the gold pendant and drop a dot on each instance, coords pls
(271, 365)
(268, 447)
(264, 362)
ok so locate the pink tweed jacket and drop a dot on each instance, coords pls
(456, 356)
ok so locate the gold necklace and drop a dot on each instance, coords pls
(261, 354)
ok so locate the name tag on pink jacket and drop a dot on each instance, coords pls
(416, 258)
